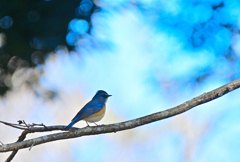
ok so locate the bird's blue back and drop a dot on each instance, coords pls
(90, 108)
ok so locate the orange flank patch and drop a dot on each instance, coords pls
(100, 112)
(96, 117)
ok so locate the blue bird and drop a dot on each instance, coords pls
(93, 111)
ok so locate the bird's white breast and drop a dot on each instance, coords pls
(97, 116)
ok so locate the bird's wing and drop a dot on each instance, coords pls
(89, 109)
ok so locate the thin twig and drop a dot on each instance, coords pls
(31, 146)
(34, 124)
(44, 126)
(25, 124)
(14, 152)
(14, 125)
(23, 135)
(1, 143)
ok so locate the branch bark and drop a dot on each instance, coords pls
(14, 152)
(73, 133)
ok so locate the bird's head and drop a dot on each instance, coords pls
(102, 96)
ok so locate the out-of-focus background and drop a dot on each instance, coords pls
(150, 55)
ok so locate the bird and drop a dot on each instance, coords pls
(93, 111)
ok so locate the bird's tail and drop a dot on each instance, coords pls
(70, 125)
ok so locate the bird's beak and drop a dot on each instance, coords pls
(109, 95)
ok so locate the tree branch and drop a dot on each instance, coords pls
(29, 128)
(206, 97)
(21, 138)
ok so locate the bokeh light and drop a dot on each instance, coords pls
(85, 8)
(78, 26)
(37, 57)
(33, 16)
(6, 22)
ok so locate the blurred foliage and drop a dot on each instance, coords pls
(31, 29)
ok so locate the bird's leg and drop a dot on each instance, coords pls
(87, 124)
(95, 123)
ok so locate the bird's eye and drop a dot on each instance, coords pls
(105, 96)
